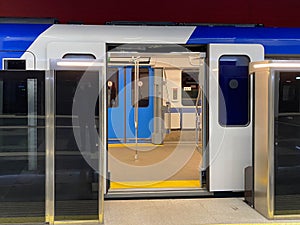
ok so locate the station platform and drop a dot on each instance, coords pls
(184, 212)
(188, 211)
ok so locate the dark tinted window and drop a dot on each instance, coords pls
(234, 90)
(287, 143)
(143, 87)
(15, 87)
(76, 141)
(112, 87)
(289, 92)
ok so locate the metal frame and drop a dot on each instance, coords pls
(102, 142)
(50, 132)
(271, 105)
(203, 84)
(264, 186)
(98, 65)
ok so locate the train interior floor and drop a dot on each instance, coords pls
(174, 164)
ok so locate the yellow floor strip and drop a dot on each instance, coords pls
(131, 145)
(157, 184)
(22, 220)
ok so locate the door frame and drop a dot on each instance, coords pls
(93, 65)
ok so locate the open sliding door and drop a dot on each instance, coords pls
(230, 119)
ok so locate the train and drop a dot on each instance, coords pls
(82, 100)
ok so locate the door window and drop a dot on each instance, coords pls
(234, 90)
(143, 87)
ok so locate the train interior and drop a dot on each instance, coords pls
(154, 119)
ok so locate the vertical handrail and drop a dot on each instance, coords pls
(136, 102)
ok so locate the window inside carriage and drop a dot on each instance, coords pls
(189, 87)
(112, 87)
(143, 87)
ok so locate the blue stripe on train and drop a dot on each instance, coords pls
(275, 40)
(15, 39)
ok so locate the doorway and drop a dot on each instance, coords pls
(157, 140)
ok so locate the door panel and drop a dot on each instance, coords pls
(76, 180)
(121, 119)
(145, 103)
(229, 139)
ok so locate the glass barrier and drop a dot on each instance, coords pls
(76, 181)
(22, 146)
(287, 144)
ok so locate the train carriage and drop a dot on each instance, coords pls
(156, 110)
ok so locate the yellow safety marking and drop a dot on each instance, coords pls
(157, 184)
(282, 214)
(22, 219)
(77, 221)
(81, 218)
(132, 145)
